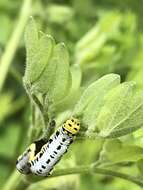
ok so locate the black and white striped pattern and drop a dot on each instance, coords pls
(41, 156)
(50, 153)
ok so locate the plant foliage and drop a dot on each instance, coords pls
(86, 63)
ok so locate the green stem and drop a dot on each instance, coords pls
(37, 102)
(75, 170)
(42, 111)
(96, 170)
(130, 178)
(32, 126)
(45, 113)
(49, 131)
(12, 45)
(33, 110)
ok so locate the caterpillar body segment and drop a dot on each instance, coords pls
(21, 163)
(29, 154)
(50, 153)
(42, 156)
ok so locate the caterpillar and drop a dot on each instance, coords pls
(41, 157)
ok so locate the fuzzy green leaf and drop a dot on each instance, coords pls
(122, 112)
(95, 93)
(38, 52)
(46, 44)
(74, 93)
(56, 78)
(114, 151)
(31, 42)
(92, 110)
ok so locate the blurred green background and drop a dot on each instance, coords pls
(102, 36)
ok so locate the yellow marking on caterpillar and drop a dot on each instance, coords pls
(19, 157)
(72, 125)
(32, 148)
(32, 154)
(41, 157)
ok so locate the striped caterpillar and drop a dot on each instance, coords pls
(40, 157)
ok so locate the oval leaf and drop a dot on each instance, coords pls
(122, 112)
(56, 78)
(116, 152)
(75, 92)
(38, 52)
(31, 42)
(96, 91)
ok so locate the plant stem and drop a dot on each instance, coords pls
(32, 132)
(96, 170)
(37, 102)
(12, 45)
(45, 114)
(42, 111)
(130, 178)
(75, 170)
(32, 126)
(49, 131)
(33, 110)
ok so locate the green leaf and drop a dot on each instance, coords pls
(31, 42)
(75, 92)
(95, 93)
(122, 112)
(46, 44)
(38, 52)
(56, 78)
(92, 110)
(114, 151)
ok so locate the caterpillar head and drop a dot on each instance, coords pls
(72, 125)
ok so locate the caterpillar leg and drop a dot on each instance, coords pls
(50, 172)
